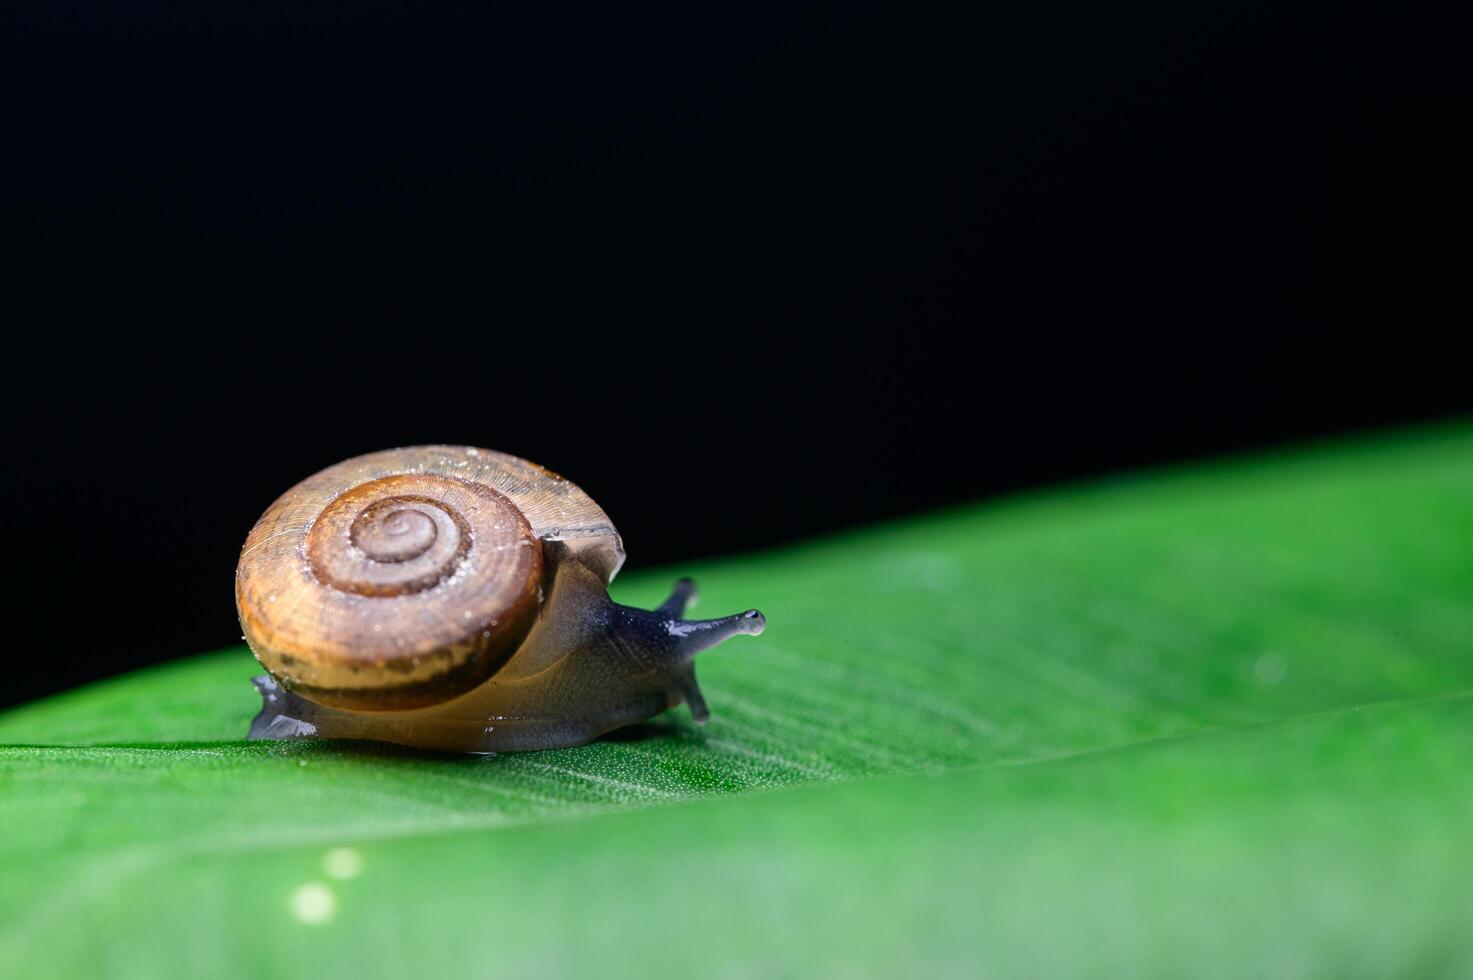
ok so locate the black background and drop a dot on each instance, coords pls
(747, 273)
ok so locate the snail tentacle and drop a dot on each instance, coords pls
(678, 640)
(691, 636)
(685, 683)
(682, 598)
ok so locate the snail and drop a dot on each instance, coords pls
(456, 598)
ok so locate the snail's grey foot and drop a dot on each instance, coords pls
(681, 599)
(279, 711)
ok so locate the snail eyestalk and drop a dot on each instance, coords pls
(691, 636)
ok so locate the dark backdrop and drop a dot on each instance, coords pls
(748, 273)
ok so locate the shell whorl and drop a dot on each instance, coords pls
(404, 578)
(405, 534)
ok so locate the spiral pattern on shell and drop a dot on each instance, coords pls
(405, 578)
(404, 534)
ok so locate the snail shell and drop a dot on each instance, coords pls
(440, 595)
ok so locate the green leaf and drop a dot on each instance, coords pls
(1212, 722)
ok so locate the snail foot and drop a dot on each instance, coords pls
(279, 708)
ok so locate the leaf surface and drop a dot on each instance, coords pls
(1206, 722)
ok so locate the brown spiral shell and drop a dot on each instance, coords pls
(404, 578)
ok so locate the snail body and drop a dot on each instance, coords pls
(456, 598)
